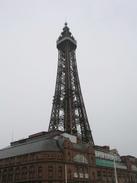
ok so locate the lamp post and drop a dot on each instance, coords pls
(66, 178)
(115, 170)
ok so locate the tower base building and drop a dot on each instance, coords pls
(58, 157)
(48, 158)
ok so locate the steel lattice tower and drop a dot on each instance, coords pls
(68, 110)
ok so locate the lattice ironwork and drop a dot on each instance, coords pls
(68, 110)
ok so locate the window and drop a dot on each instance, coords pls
(24, 158)
(24, 172)
(60, 171)
(17, 173)
(31, 171)
(81, 172)
(69, 174)
(39, 171)
(104, 173)
(69, 156)
(50, 171)
(32, 157)
(10, 174)
(4, 176)
(99, 173)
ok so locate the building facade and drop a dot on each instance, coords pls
(47, 158)
(59, 158)
(111, 166)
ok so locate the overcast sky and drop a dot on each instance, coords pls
(106, 33)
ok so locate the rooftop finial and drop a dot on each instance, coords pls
(66, 24)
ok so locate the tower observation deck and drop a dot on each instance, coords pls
(68, 110)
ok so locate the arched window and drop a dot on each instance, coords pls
(31, 171)
(24, 172)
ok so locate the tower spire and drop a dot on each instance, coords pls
(66, 24)
(68, 110)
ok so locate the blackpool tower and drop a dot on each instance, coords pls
(68, 109)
